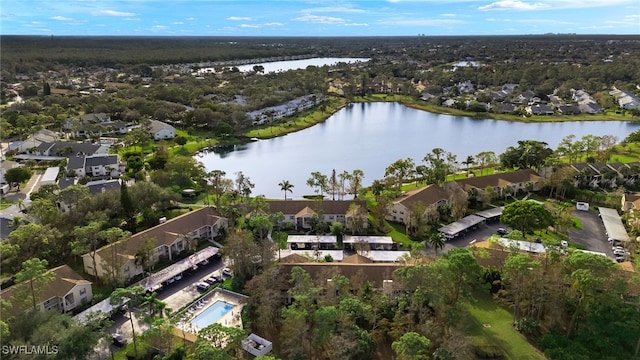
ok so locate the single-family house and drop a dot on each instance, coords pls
(167, 240)
(67, 291)
(100, 186)
(160, 130)
(568, 109)
(95, 118)
(539, 109)
(34, 140)
(506, 108)
(298, 213)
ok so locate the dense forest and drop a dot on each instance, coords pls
(569, 305)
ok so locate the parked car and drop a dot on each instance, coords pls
(502, 231)
(620, 258)
(564, 243)
(119, 340)
(210, 280)
(171, 280)
(178, 277)
(227, 272)
(202, 286)
(204, 262)
(621, 252)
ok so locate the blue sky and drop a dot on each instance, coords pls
(317, 17)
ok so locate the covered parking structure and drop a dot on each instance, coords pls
(99, 311)
(613, 225)
(373, 242)
(461, 226)
(492, 215)
(155, 281)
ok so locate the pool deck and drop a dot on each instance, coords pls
(230, 319)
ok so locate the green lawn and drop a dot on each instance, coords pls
(490, 325)
(5, 204)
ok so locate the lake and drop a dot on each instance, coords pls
(371, 136)
(278, 66)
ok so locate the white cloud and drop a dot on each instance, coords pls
(238, 18)
(513, 5)
(251, 26)
(61, 18)
(159, 28)
(273, 24)
(177, 23)
(356, 24)
(421, 22)
(112, 13)
(190, 19)
(448, 15)
(316, 19)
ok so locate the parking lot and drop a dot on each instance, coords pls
(592, 234)
(176, 295)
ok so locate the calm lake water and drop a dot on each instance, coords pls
(278, 66)
(371, 136)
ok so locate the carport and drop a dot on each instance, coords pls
(613, 224)
(454, 229)
(492, 214)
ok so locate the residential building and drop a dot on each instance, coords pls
(352, 213)
(630, 202)
(430, 196)
(63, 148)
(34, 140)
(167, 240)
(94, 166)
(281, 111)
(67, 291)
(539, 109)
(160, 130)
(503, 184)
(433, 195)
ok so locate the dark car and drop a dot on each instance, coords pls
(502, 231)
(118, 340)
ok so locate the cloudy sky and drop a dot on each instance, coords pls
(317, 17)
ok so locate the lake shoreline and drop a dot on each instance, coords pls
(315, 116)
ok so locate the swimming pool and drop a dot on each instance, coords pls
(212, 314)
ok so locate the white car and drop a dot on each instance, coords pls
(227, 272)
(177, 277)
(621, 252)
(564, 243)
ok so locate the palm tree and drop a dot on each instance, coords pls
(436, 241)
(285, 186)
(470, 161)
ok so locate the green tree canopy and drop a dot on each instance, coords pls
(526, 216)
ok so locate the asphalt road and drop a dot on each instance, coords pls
(592, 233)
(176, 295)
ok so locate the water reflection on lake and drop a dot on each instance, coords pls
(371, 136)
(277, 66)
